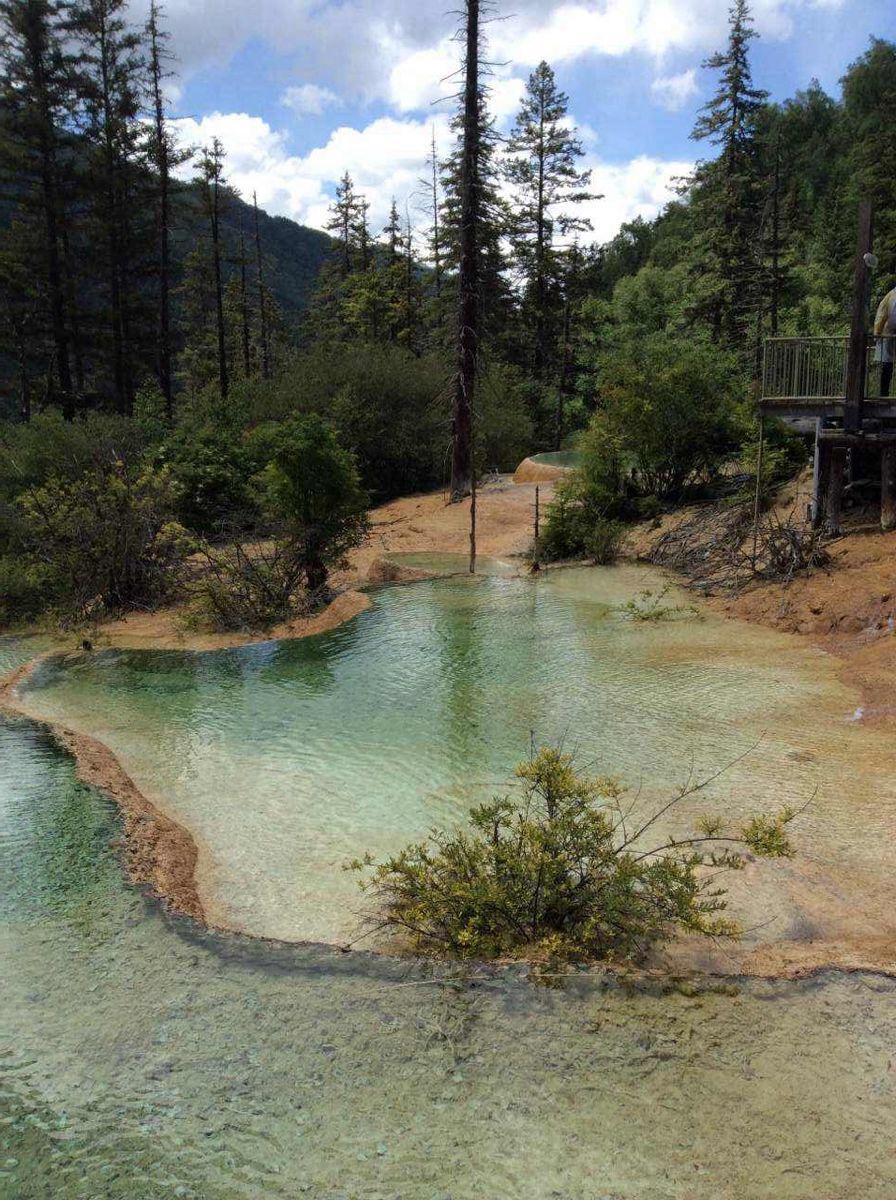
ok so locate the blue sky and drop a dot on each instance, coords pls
(301, 90)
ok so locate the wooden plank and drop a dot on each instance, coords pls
(856, 361)
(888, 487)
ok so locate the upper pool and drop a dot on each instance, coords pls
(559, 458)
(286, 759)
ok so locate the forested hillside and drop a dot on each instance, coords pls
(212, 332)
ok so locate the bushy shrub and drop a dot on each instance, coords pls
(671, 416)
(108, 540)
(565, 868)
(313, 493)
(390, 407)
(502, 424)
(783, 454)
(247, 586)
(49, 447)
(578, 524)
(27, 588)
(211, 474)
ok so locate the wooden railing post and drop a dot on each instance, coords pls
(856, 363)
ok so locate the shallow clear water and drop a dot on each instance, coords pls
(288, 759)
(559, 458)
(144, 1059)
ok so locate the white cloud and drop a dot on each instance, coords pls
(398, 50)
(641, 187)
(615, 28)
(674, 91)
(308, 99)
(387, 158)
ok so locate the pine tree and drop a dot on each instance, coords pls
(211, 178)
(36, 104)
(263, 309)
(110, 69)
(727, 192)
(469, 219)
(343, 224)
(434, 233)
(495, 303)
(542, 153)
(869, 95)
(163, 155)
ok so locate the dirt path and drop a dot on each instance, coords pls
(847, 609)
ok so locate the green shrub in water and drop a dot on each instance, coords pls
(565, 868)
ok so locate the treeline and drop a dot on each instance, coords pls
(170, 393)
(113, 274)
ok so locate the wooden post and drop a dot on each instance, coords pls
(472, 518)
(835, 489)
(821, 475)
(888, 486)
(536, 565)
(757, 498)
(856, 362)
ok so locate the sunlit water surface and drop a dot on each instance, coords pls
(142, 1060)
(287, 759)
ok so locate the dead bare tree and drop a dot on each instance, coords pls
(722, 548)
(468, 282)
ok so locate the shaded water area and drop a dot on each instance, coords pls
(286, 759)
(144, 1059)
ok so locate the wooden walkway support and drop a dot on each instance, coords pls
(825, 380)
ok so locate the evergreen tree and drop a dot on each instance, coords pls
(110, 69)
(263, 307)
(342, 224)
(869, 98)
(469, 225)
(434, 233)
(35, 106)
(542, 153)
(211, 178)
(727, 192)
(163, 154)
(495, 303)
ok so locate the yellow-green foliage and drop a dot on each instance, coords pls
(565, 867)
(107, 539)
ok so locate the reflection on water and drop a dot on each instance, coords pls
(142, 1059)
(287, 759)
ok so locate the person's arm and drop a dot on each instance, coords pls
(883, 315)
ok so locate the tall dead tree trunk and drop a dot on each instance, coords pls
(163, 167)
(36, 39)
(212, 175)
(468, 304)
(262, 300)
(436, 232)
(244, 307)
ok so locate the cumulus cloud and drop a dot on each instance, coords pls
(567, 31)
(641, 187)
(674, 91)
(308, 99)
(387, 158)
(398, 50)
